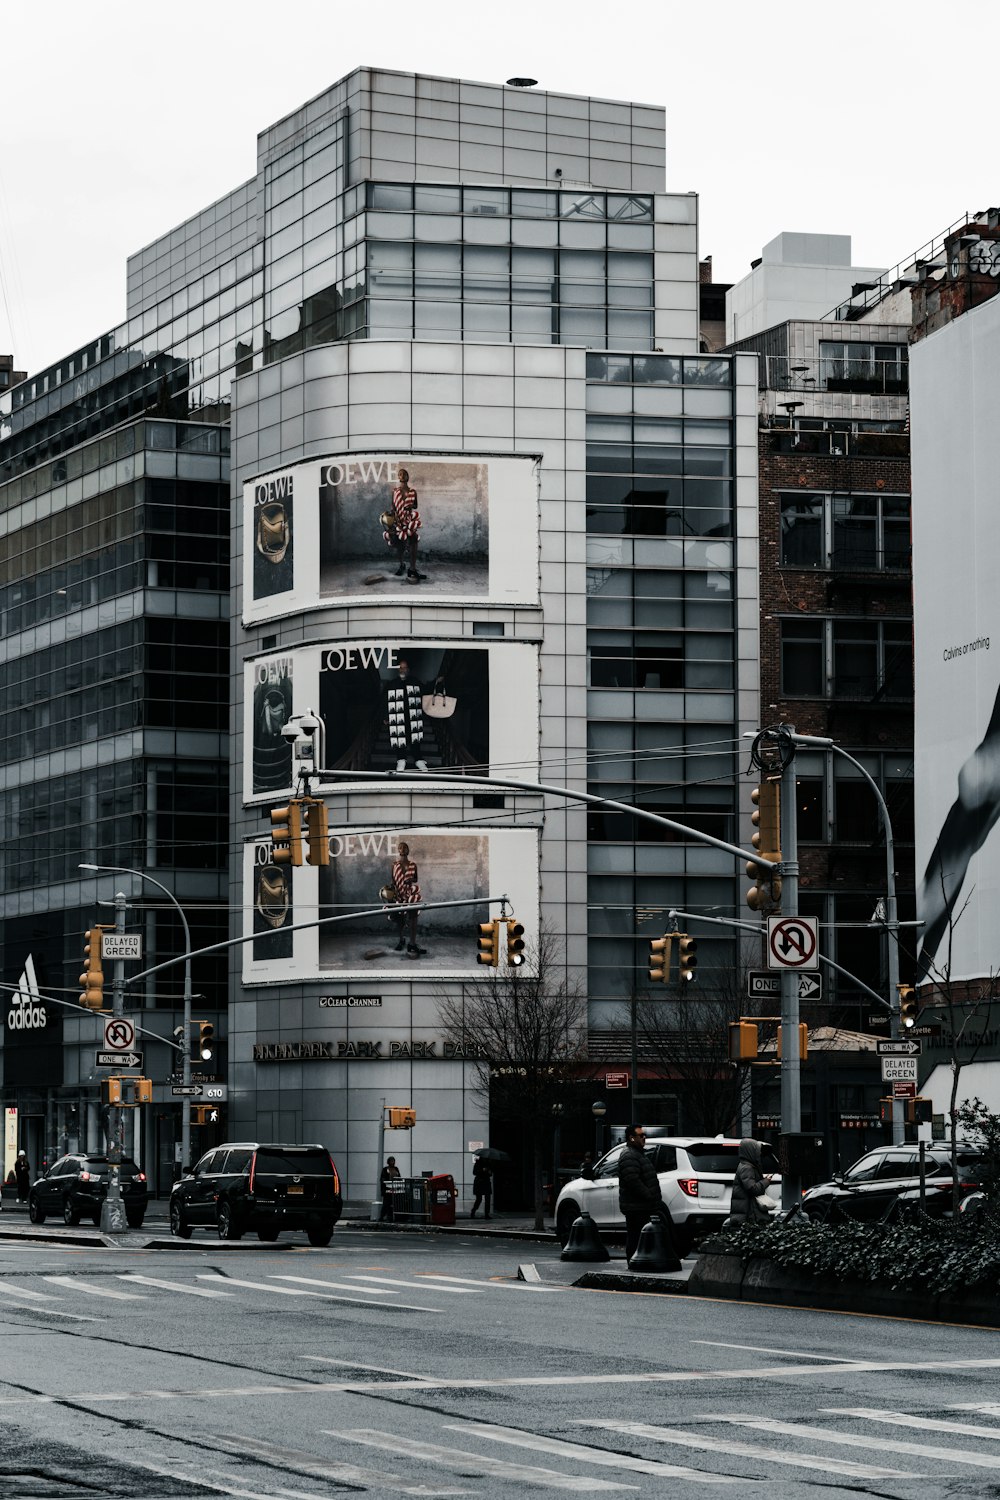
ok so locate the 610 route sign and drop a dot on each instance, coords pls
(792, 942)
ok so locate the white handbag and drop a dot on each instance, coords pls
(438, 705)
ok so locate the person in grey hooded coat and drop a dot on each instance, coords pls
(748, 1185)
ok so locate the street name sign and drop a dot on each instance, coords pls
(899, 1070)
(768, 986)
(119, 1059)
(792, 942)
(121, 944)
(898, 1049)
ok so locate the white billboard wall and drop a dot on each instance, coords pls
(452, 864)
(358, 527)
(435, 704)
(954, 378)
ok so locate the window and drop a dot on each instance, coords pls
(848, 366)
(854, 533)
(870, 659)
(803, 670)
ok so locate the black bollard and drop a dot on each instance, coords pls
(655, 1250)
(584, 1242)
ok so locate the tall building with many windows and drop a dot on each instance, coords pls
(489, 289)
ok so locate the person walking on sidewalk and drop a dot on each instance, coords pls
(639, 1195)
(22, 1176)
(749, 1184)
(482, 1185)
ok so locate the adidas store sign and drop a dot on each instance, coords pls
(25, 1013)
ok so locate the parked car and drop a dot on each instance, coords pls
(889, 1175)
(264, 1187)
(75, 1187)
(696, 1180)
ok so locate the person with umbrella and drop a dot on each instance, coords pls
(482, 1184)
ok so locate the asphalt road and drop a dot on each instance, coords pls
(393, 1365)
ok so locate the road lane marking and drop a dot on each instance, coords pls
(335, 1286)
(903, 1419)
(74, 1284)
(855, 1440)
(308, 1463)
(987, 1408)
(353, 1364)
(413, 1286)
(456, 1458)
(710, 1444)
(507, 1286)
(287, 1291)
(580, 1453)
(170, 1286)
(762, 1349)
(222, 1484)
(23, 1291)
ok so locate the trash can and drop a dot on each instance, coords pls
(413, 1208)
(443, 1194)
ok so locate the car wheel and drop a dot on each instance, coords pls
(179, 1226)
(568, 1214)
(35, 1214)
(321, 1236)
(71, 1215)
(267, 1235)
(227, 1224)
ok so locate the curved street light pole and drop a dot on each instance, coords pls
(186, 1044)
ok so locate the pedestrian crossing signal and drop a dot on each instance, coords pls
(401, 1119)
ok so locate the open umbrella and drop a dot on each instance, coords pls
(490, 1153)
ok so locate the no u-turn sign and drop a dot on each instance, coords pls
(792, 942)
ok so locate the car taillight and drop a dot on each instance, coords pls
(688, 1185)
(139, 1177)
(253, 1168)
(336, 1175)
(84, 1176)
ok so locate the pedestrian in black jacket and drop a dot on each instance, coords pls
(639, 1193)
(748, 1185)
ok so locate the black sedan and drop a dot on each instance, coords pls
(890, 1175)
(75, 1188)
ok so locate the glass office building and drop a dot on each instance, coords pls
(490, 288)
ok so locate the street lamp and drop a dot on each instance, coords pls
(186, 1040)
(598, 1109)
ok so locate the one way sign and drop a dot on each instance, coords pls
(768, 986)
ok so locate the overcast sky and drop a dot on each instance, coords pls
(120, 118)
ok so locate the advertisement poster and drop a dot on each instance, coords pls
(384, 873)
(956, 540)
(396, 526)
(388, 705)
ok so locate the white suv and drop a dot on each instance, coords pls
(696, 1180)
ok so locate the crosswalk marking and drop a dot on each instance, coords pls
(710, 1444)
(23, 1291)
(986, 1408)
(902, 1419)
(74, 1284)
(335, 1286)
(474, 1463)
(308, 1463)
(413, 1286)
(855, 1440)
(287, 1291)
(171, 1286)
(600, 1457)
(507, 1286)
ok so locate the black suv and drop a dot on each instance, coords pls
(249, 1185)
(890, 1175)
(75, 1187)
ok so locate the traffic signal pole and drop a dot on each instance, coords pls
(791, 1090)
(113, 1219)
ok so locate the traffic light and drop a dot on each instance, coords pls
(206, 1041)
(907, 1004)
(885, 1111)
(803, 1042)
(111, 1091)
(742, 1041)
(317, 831)
(765, 893)
(515, 944)
(489, 944)
(286, 834)
(659, 959)
(687, 948)
(92, 977)
(920, 1111)
(401, 1119)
